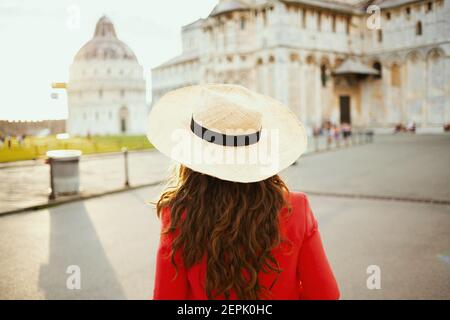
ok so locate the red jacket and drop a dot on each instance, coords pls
(306, 272)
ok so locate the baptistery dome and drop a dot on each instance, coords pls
(105, 44)
(106, 89)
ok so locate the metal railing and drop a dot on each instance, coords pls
(324, 142)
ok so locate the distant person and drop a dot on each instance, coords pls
(316, 133)
(231, 229)
(329, 131)
(411, 127)
(336, 133)
(346, 130)
(447, 127)
(398, 128)
(19, 139)
(9, 141)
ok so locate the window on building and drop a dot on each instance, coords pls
(419, 28)
(379, 35)
(388, 15)
(96, 115)
(347, 25)
(110, 115)
(333, 23)
(122, 93)
(429, 6)
(408, 11)
(264, 17)
(304, 18)
(108, 71)
(338, 62)
(123, 116)
(377, 66)
(319, 21)
(100, 93)
(323, 75)
(242, 23)
(395, 75)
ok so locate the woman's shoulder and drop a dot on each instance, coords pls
(164, 216)
(298, 202)
(300, 220)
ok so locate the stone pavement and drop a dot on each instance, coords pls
(27, 184)
(398, 166)
(113, 238)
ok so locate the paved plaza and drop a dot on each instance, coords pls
(114, 238)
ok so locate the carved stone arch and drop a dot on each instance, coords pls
(393, 59)
(395, 74)
(373, 60)
(414, 56)
(260, 75)
(435, 53)
(124, 119)
(324, 60)
(414, 77)
(377, 64)
(310, 59)
(436, 86)
(325, 69)
(294, 57)
(338, 61)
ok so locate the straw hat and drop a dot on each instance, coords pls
(226, 131)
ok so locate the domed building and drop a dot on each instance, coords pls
(106, 88)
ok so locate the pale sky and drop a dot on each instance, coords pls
(40, 38)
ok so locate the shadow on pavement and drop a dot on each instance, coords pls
(74, 241)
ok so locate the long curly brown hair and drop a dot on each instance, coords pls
(236, 225)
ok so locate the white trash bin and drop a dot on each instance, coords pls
(64, 172)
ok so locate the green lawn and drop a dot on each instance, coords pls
(36, 147)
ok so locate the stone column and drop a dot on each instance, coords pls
(425, 93)
(403, 87)
(281, 78)
(303, 109)
(318, 96)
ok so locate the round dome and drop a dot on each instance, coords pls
(105, 45)
(225, 6)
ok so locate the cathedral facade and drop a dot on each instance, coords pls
(106, 89)
(369, 63)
